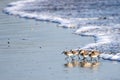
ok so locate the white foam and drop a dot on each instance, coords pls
(114, 57)
(86, 30)
(106, 56)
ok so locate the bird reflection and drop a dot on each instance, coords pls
(72, 64)
(83, 64)
(95, 65)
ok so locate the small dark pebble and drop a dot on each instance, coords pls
(103, 18)
(8, 42)
(40, 47)
(24, 39)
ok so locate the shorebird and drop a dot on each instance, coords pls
(94, 55)
(84, 54)
(75, 53)
(69, 54)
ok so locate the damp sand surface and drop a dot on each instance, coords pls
(31, 50)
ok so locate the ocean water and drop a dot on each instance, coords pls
(97, 18)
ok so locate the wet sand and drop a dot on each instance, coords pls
(31, 50)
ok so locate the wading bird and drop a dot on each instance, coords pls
(75, 53)
(69, 54)
(94, 55)
(84, 54)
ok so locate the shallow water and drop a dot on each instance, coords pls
(34, 52)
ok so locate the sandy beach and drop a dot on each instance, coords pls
(31, 50)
